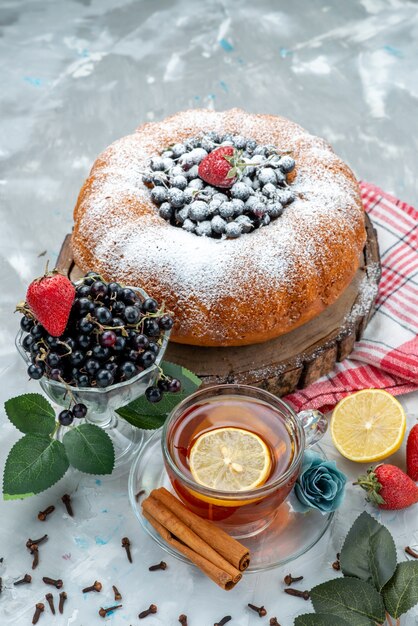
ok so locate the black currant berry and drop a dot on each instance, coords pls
(108, 339)
(114, 289)
(118, 322)
(139, 342)
(104, 378)
(26, 323)
(76, 358)
(98, 290)
(53, 342)
(151, 328)
(37, 331)
(56, 373)
(132, 314)
(111, 367)
(128, 296)
(79, 410)
(91, 366)
(165, 322)
(82, 306)
(83, 341)
(154, 347)
(27, 342)
(103, 315)
(66, 417)
(35, 348)
(36, 371)
(83, 380)
(147, 359)
(118, 307)
(119, 344)
(174, 386)
(53, 359)
(128, 369)
(85, 325)
(70, 344)
(164, 383)
(132, 355)
(101, 352)
(150, 305)
(83, 291)
(153, 394)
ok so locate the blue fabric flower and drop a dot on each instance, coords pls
(320, 485)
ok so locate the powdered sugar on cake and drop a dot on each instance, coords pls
(119, 232)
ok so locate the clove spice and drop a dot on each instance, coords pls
(139, 494)
(96, 586)
(274, 622)
(289, 579)
(183, 619)
(223, 621)
(258, 609)
(161, 565)
(103, 612)
(127, 545)
(35, 552)
(23, 581)
(50, 599)
(152, 609)
(37, 542)
(298, 594)
(411, 552)
(66, 499)
(337, 565)
(51, 581)
(42, 515)
(63, 597)
(38, 610)
(118, 595)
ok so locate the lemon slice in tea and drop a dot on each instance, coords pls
(368, 425)
(230, 459)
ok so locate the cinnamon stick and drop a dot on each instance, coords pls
(201, 541)
(233, 551)
(221, 578)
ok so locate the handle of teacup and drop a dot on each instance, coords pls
(314, 424)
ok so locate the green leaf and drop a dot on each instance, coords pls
(89, 449)
(401, 593)
(351, 599)
(320, 619)
(31, 413)
(144, 414)
(34, 464)
(369, 552)
(189, 381)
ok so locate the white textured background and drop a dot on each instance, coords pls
(77, 74)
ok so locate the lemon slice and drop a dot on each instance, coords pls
(368, 425)
(230, 459)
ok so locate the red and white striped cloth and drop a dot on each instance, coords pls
(387, 355)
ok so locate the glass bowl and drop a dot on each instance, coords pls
(101, 403)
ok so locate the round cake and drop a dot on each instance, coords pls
(246, 225)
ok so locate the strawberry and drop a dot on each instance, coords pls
(221, 167)
(50, 299)
(412, 453)
(388, 487)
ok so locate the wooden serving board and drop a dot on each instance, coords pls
(292, 361)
